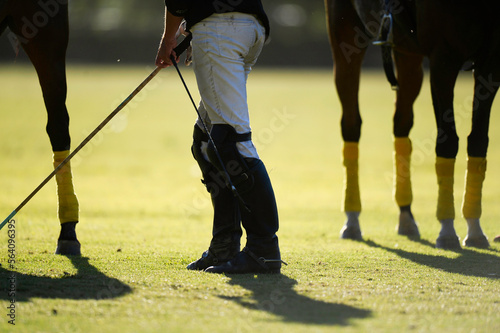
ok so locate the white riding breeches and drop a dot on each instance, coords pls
(225, 47)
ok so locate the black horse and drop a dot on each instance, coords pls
(41, 28)
(450, 34)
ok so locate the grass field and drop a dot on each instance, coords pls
(145, 215)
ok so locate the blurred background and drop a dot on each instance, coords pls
(128, 31)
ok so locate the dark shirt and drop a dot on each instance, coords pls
(193, 11)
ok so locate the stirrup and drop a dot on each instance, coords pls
(385, 35)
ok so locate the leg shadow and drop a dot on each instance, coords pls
(87, 283)
(275, 294)
(468, 263)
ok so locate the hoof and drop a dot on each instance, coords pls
(480, 242)
(448, 242)
(497, 239)
(68, 248)
(407, 226)
(353, 233)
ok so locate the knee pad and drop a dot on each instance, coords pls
(210, 175)
(198, 138)
(229, 158)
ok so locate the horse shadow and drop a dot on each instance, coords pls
(468, 263)
(275, 294)
(87, 283)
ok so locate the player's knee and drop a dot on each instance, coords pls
(226, 156)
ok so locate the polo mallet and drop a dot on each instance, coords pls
(227, 179)
(178, 50)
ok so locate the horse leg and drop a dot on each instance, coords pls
(410, 76)
(485, 89)
(444, 72)
(47, 51)
(471, 204)
(348, 48)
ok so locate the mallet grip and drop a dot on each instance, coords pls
(179, 49)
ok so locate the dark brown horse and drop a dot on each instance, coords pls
(450, 34)
(40, 27)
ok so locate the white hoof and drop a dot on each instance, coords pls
(480, 242)
(351, 229)
(448, 238)
(475, 236)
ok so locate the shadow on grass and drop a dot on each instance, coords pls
(469, 262)
(275, 294)
(87, 283)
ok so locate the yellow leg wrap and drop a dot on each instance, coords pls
(445, 168)
(474, 177)
(67, 201)
(352, 200)
(402, 163)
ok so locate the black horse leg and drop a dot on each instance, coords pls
(410, 76)
(444, 72)
(349, 42)
(46, 49)
(485, 89)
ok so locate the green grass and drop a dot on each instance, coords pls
(145, 215)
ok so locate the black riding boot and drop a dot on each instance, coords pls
(226, 231)
(261, 253)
